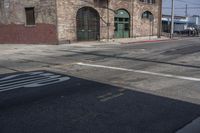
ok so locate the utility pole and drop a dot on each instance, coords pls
(172, 20)
(186, 10)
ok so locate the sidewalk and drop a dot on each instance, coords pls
(141, 39)
(121, 41)
(127, 41)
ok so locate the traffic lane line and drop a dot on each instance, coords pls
(141, 72)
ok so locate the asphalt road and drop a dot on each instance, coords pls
(82, 106)
(83, 88)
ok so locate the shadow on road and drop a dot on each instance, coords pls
(84, 106)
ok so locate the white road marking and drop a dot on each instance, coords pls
(44, 83)
(22, 81)
(21, 74)
(105, 95)
(111, 97)
(14, 78)
(30, 79)
(30, 82)
(140, 71)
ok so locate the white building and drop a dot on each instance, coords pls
(194, 19)
(180, 22)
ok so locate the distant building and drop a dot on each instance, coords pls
(195, 19)
(180, 22)
(63, 21)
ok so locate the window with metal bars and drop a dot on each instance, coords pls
(148, 1)
(147, 15)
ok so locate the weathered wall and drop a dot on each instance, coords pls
(67, 10)
(56, 19)
(13, 27)
(138, 27)
(116, 5)
(143, 27)
(66, 13)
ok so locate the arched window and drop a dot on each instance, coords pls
(149, 1)
(147, 15)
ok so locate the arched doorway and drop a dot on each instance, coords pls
(122, 24)
(88, 24)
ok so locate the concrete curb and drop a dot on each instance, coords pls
(147, 41)
(157, 40)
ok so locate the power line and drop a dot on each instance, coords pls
(182, 8)
(189, 2)
(192, 7)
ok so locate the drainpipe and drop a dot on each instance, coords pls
(108, 21)
(132, 13)
(160, 20)
(57, 29)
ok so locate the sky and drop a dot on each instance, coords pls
(180, 7)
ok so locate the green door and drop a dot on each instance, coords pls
(120, 31)
(122, 24)
(88, 24)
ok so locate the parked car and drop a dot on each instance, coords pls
(190, 31)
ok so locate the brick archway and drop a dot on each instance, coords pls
(88, 24)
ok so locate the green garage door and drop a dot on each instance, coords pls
(88, 24)
(122, 24)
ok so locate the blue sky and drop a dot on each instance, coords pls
(193, 7)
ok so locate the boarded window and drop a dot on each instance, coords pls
(30, 16)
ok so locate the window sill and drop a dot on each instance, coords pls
(30, 26)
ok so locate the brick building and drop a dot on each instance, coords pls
(64, 21)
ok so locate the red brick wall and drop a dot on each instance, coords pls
(20, 34)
